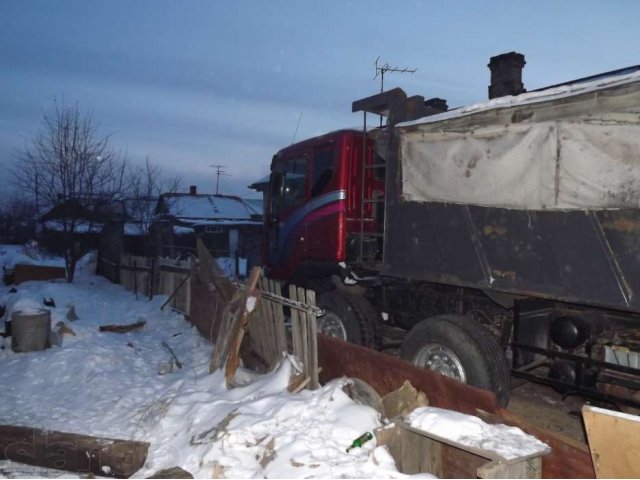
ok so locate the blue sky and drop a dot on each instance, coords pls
(194, 83)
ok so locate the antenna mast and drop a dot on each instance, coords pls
(219, 171)
(381, 70)
(295, 134)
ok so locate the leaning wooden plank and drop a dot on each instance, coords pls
(211, 274)
(260, 330)
(123, 328)
(250, 298)
(230, 315)
(234, 313)
(72, 452)
(614, 441)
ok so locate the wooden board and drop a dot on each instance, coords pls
(416, 451)
(24, 273)
(72, 452)
(239, 324)
(568, 458)
(614, 441)
(266, 328)
(303, 333)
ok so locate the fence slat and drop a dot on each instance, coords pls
(312, 348)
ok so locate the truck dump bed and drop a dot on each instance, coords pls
(536, 195)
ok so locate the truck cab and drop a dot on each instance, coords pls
(319, 205)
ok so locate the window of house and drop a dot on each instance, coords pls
(212, 229)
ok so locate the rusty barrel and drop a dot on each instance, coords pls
(30, 330)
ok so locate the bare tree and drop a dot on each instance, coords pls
(146, 184)
(70, 166)
(17, 220)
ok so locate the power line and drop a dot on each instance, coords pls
(219, 171)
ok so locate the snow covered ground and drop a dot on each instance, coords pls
(108, 384)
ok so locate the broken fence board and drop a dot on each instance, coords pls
(211, 274)
(72, 452)
(240, 323)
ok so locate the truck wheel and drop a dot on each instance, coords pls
(349, 317)
(460, 348)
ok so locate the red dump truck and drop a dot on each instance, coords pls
(488, 241)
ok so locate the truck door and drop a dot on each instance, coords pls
(326, 207)
(287, 208)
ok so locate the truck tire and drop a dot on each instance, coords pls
(349, 317)
(460, 348)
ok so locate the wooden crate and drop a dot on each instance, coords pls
(417, 451)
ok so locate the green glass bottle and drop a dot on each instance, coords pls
(358, 442)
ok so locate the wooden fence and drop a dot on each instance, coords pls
(150, 276)
(270, 336)
(280, 324)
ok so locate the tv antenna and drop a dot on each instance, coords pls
(219, 171)
(381, 70)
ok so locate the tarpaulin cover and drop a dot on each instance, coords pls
(568, 153)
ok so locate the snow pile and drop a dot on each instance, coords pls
(506, 442)
(261, 430)
(23, 303)
(103, 384)
(28, 254)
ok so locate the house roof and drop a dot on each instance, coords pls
(92, 210)
(262, 184)
(184, 206)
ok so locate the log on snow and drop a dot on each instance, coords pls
(72, 452)
(123, 328)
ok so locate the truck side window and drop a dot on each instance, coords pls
(295, 181)
(322, 171)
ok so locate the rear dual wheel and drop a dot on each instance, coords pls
(460, 348)
(350, 318)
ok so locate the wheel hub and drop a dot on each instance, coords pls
(442, 360)
(331, 325)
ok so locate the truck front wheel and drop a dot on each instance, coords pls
(349, 317)
(460, 348)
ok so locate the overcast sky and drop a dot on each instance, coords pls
(194, 83)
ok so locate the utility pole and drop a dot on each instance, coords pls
(381, 70)
(219, 171)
